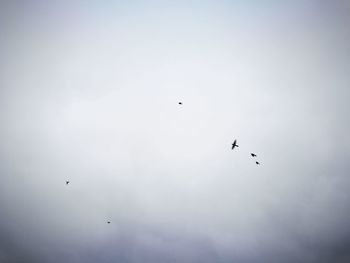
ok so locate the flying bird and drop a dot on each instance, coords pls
(67, 182)
(257, 163)
(253, 154)
(234, 144)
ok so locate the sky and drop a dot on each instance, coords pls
(89, 93)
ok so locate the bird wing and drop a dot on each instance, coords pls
(234, 144)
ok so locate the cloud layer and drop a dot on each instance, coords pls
(89, 93)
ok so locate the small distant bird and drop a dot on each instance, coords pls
(234, 144)
(257, 163)
(253, 154)
(67, 182)
(180, 102)
(108, 222)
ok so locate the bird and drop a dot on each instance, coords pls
(234, 144)
(180, 102)
(67, 182)
(253, 154)
(108, 222)
(257, 163)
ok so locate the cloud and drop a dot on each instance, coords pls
(89, 93)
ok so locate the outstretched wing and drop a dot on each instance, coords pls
(234, 144)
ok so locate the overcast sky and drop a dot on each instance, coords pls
(89, 93)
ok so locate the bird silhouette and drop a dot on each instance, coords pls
(253, 154)
(67, 182)
(180, 102)
(257, 163)
(108, 222)
(234, 144)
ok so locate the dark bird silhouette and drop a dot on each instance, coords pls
(234, 144)
(253, 154)
(108, 222)
(180, 102)
(257, 163)
(67, 182)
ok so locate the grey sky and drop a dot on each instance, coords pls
(89, 93)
